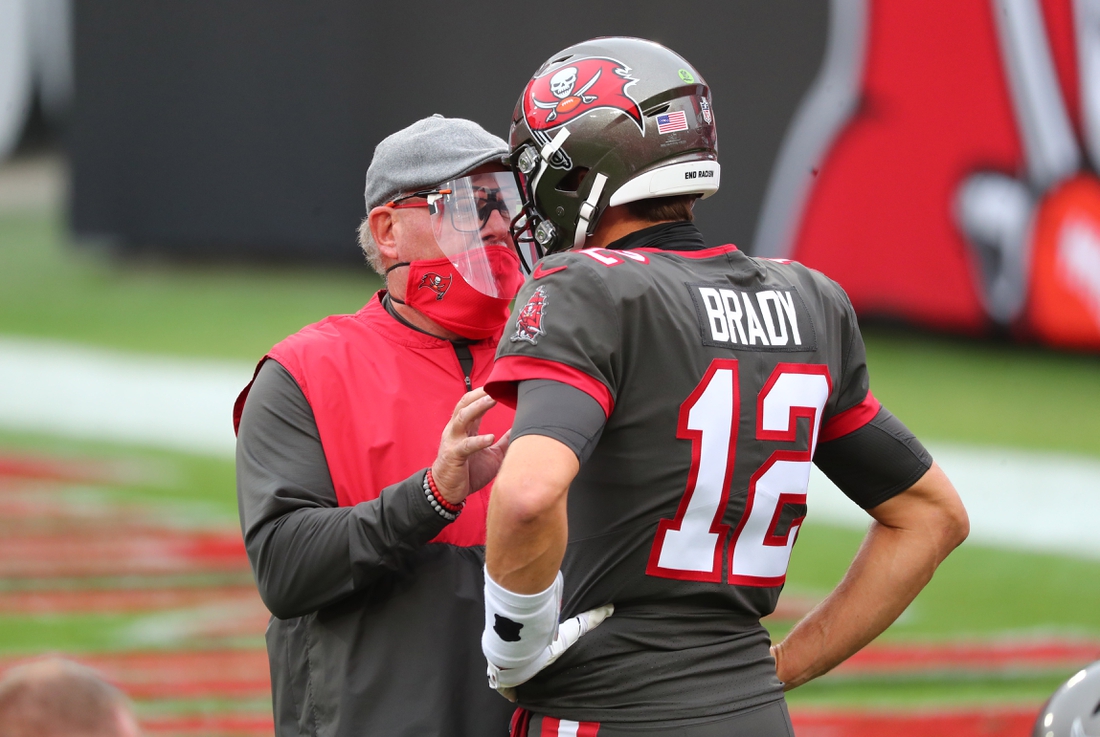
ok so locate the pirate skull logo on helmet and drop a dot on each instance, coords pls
(562, 83)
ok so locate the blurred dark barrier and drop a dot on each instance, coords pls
(244, 128)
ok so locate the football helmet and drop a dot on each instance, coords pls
(1074, 709)
(602, 123)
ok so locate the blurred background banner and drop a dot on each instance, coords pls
(943, 168)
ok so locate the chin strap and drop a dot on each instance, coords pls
(588, 210)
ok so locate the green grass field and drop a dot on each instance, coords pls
(946, 389)
(49, 289)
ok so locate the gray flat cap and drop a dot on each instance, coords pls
(430, 151)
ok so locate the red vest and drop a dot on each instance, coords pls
(381, 394)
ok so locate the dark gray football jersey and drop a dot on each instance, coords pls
(719, 374)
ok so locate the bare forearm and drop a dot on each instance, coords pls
(527, 524)
(911, 535)
(524, 557)
(886, 575)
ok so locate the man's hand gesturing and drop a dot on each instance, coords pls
(467, 461)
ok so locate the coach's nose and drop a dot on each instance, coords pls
(496, 229)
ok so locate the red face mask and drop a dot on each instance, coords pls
(436, 289)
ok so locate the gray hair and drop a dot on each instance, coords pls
(370, 248)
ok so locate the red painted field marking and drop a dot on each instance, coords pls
(106, 553)
(39, 510)
(37, 468)
(181, 675)
(88, 601)
(1012, 722)
(207, 725)
(994, 656)
(44, 535)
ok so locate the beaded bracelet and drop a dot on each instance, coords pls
(432, 500)
(453, 508)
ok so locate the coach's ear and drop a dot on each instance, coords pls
(381, 223)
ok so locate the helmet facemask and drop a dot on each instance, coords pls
(575, 199)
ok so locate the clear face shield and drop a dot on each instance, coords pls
(470, 218)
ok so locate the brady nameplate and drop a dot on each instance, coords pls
(762, 320)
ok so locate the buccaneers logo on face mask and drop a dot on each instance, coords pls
(436, 283)
(567, 92)
(529, 321)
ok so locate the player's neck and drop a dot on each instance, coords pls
(616, 223)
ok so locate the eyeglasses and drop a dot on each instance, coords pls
(431, 195)
(465, 215)
(486, 201)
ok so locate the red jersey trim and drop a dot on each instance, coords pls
(552, 727)
(521, 723)
(705, 253)
(850, 420)
(509, 370)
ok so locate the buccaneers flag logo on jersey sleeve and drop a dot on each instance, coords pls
(529, 322)
(567, 92)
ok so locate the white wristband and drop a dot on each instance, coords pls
(519, 627)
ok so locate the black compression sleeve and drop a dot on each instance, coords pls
(875, 462)
(559, 411)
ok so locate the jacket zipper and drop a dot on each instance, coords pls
(465, 362)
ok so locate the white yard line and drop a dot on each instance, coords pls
(74, 391)
(1017, 499)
